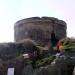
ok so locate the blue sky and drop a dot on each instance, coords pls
(14, 10)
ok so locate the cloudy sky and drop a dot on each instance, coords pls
(14, 10)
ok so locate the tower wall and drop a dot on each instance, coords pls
(39, 29)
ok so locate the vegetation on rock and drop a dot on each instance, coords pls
(44, 61)
(68, 44)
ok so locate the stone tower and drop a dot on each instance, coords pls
(39, 29)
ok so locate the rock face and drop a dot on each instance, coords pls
(64, 63)
(39, 29)
(23, 67)
(11, 50)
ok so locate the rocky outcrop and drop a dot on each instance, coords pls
(62, 65)
(11, 50)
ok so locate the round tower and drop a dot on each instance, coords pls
(39, 29)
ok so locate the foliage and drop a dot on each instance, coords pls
(69, 44)
(44, 61)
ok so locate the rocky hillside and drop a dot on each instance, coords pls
(11, 56)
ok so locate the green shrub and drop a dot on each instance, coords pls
(43, 62)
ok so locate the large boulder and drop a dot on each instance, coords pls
(11, 50)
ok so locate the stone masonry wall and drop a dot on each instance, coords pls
(39, 29)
